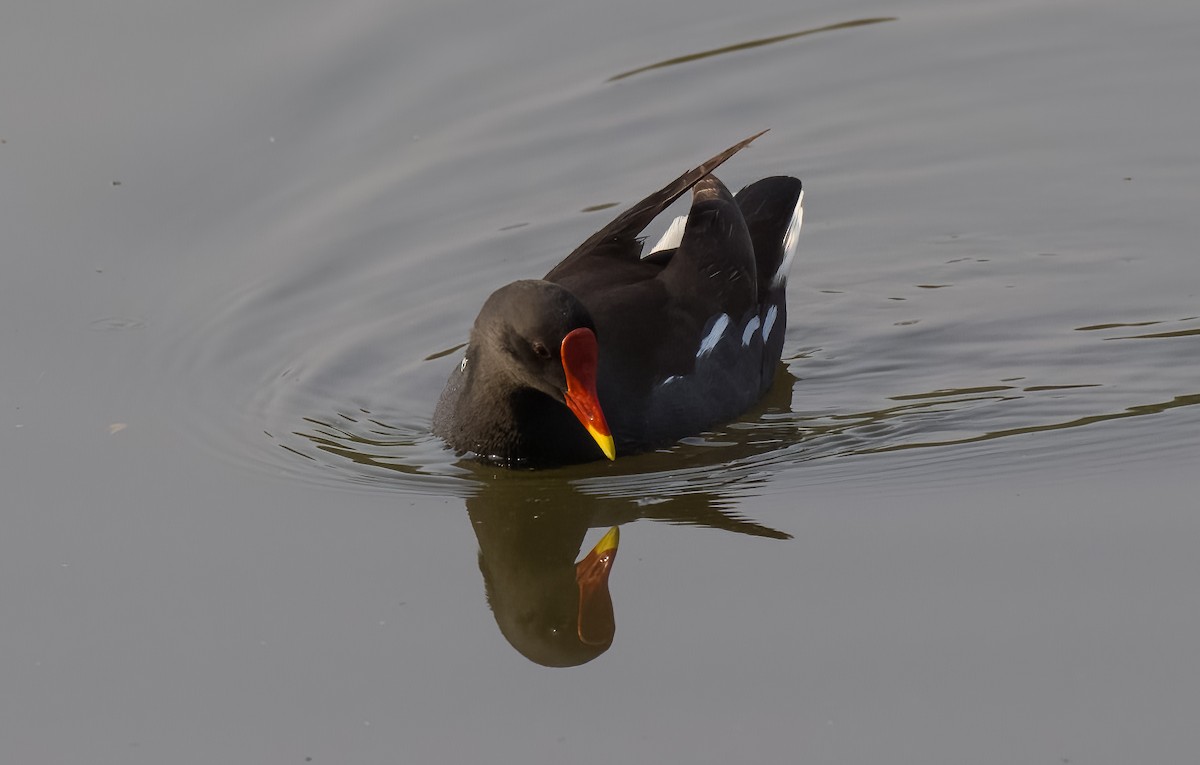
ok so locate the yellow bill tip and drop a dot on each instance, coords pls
(608, 542)
(605, 441)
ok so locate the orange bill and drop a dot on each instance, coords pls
(596, 622)
(579, 359)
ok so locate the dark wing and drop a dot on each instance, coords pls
(651, 323)
(713, 271)
(768, 206)
(619, 239)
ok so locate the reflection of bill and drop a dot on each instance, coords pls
(596, 624)
(555, 611)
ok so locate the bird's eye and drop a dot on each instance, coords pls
(541, 351)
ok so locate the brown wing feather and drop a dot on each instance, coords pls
(619, 239)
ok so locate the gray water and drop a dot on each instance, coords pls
(241, 245)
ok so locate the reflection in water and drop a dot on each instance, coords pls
(1171, 333)
(1132, 411)
(553, 611)
(749, 44)
(1153, 335)
(530, 527)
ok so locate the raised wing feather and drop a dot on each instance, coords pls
(619, 239)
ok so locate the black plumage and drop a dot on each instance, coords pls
(687, 337)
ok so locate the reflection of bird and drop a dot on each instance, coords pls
(640, 351)
(553, 610)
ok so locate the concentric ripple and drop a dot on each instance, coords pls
(956, 357)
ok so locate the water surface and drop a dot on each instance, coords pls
(242, 248)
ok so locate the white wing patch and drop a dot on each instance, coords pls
(748, 332)
(714, 335)
(672, 236)
(790, 238)
(769, 322)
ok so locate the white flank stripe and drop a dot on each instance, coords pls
(748, 332)
(669, 380)
(790, 238)
(714, 335)
(672, 236)
(769, 322)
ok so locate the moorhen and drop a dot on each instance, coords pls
(614, 352)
